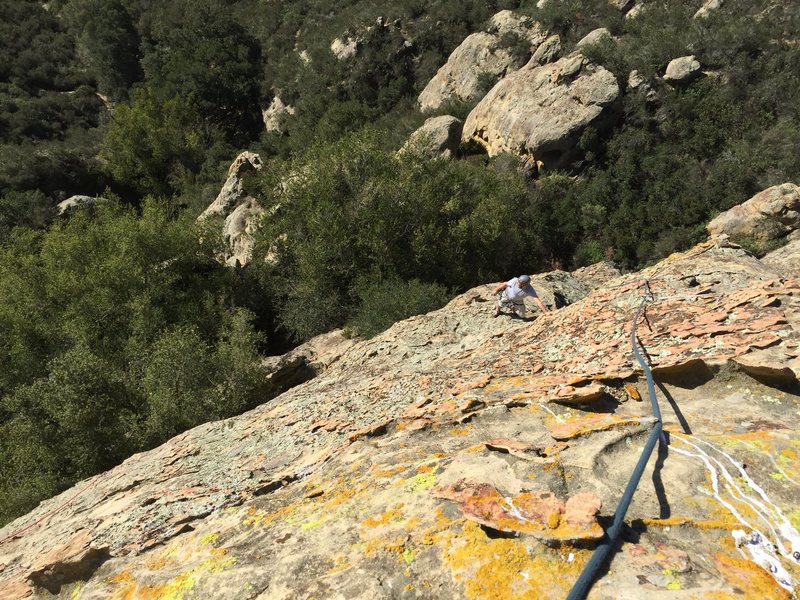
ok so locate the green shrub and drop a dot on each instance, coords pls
(390, 299)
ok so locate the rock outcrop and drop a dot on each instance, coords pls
(769, 215)
(438, 136)
(242, 214)
(682, 70)
(239, 229)
(67, 205)
(479, 57)
(708, 7)
(785, 260)
(547, 51)
(594, 37)
(276, 115)
(541, 110)
(232, 191)
(344, 48)
(455, 455)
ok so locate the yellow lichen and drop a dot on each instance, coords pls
(209, 538)
(393, 514)
(176, 588)
(503, 569)
(422, 482)
(752, 580)
(461, 431)
(340, 563)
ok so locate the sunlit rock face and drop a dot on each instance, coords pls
(241, 213)
(480, 57)
(769, 215)
(540, 111)
(457, 455)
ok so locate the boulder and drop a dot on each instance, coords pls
(547, 51)
(232, 191)
(769, 215)
(438, 136)
(306, 361)
(480, 56)
(344, 48)
(460, 78)
(682, 70)
(541, 110)
(622, 5)
(638, 83)
(65, 206)
(594, 37)
(238, 231)
(276, 115)
(507, 21)
(635, 80)
(785, 260)
(708, 7)
(597, 274)
(635, 11)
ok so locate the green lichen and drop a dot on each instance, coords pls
(312, 524)
(794, 518)
(422, 481)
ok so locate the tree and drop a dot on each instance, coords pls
(108, 42)
(199, 53)
(152, 144)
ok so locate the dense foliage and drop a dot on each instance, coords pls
(119, 330)
(119, 326)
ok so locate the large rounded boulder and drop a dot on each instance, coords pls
(540, 111)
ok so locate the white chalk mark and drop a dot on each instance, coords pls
(766, 551)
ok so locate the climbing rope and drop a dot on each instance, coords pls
(53, 512)
(587, 577)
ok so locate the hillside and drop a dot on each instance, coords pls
(455, 455)
(247, 251)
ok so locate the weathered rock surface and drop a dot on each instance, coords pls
(276, 115)
(457, 456)
(708, 7)
(344, 48)
(682, 70)
(785, 260)
(481, 55)
(541, 110)
(242, 214)
(65, 206)
(594, 37)
(547, 51)
(622, 5)
(438, 136)
(232, 191)
(240, 227)
(768, 215)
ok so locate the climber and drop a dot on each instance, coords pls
(513, 295)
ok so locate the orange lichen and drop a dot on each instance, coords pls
(396, 545)
(379, 471)
(747, 576)
(503, 569)
(460, 431)
(393, 514)
(176, 588)
(340, 563)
